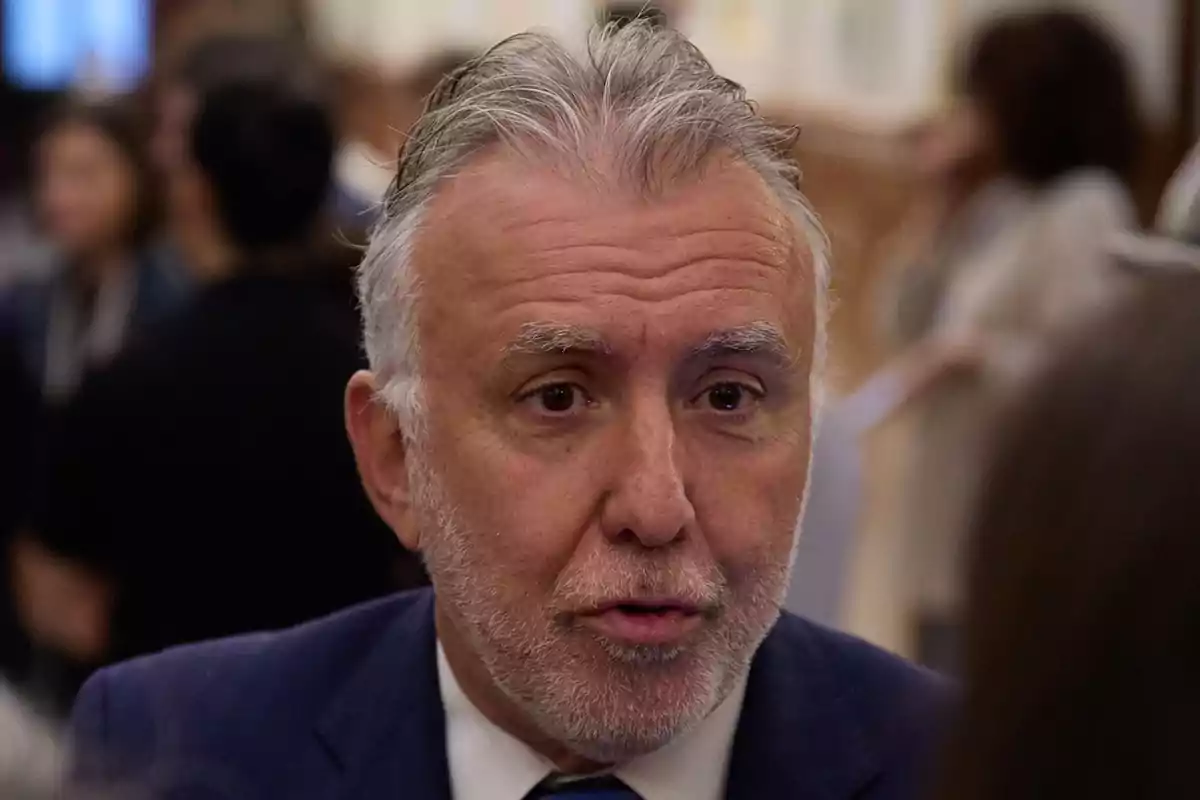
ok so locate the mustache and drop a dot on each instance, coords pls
(608, 578)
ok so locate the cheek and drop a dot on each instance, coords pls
(528, 515)
(747, 508)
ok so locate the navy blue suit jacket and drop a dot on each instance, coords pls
(349, 707)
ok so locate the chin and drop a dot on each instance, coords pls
(609, 710)
(621, 727)
(613, 750)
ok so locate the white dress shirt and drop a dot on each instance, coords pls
(486, 763)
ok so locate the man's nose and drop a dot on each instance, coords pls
(648, 500)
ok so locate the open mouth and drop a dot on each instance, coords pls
(645, 622)
(634, 608)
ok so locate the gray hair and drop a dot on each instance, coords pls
(644, 93)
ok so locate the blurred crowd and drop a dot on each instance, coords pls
(175, 462)
(175, 350)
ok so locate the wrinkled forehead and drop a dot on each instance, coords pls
(511, 241)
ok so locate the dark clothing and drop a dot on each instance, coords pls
(349, 707)
(26, 309)
(47, 678)
(19, 415)
(208, 472)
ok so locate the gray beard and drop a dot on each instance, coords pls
(606, 702)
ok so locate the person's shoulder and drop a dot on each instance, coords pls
(1087, 197)
(872, 671)
(238, 702)
(283, 676)
(895, 704)
(278, 662)
(818, 698)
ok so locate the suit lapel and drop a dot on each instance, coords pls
(386, 729)
(797, 736)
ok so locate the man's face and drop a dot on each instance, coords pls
(615, 441)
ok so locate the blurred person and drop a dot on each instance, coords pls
(209, 64)
(202, 69)
(379, 112)
(19, 414)
(53, 613)
(1045, 103)
(206, 473)
(594, 315)
(1081, 639)
(31, 752)
(1028, 190)
(31, 755)
(96, 202)
(97, 205)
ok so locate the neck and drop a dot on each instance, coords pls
(477, 685)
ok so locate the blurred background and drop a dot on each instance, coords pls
(931, 133)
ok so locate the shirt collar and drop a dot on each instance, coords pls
(487, 763)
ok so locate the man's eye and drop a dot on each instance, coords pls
(729, 397)
(557, 398)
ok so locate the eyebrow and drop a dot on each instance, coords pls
(547, 338)
(757, 339)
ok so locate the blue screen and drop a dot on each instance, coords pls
(57, 44)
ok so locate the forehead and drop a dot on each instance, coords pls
(508, 243)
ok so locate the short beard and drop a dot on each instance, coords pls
(651, 695)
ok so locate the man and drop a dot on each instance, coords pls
(207, 472)
(593, 314)
(199, 70)
(210, 63)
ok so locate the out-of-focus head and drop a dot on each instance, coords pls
(245, 139)
(1082, 640)
(1044, 93)
(593, 311)
(264, 150)
(205, 66)
(95, 193)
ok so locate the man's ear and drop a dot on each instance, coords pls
(381, 452)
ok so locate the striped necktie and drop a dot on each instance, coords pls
(603, 788)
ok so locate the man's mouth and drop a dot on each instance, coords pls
(644, 621)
